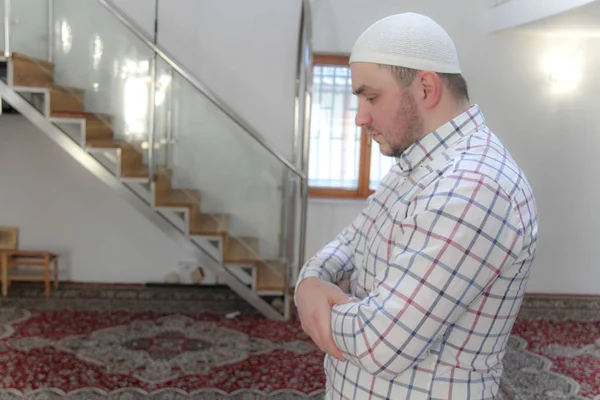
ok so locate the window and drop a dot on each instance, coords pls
(343, 162)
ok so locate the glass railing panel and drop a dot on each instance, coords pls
(29, 27)
(95, 52)
(497, 3)
(237, 178)
(99, 72)
(164, 105)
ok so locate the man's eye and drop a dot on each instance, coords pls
(370, 99)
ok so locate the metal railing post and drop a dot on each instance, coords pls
(50, 30)
(152, 123)
(7, 28)
(299, 184)
(306, 115)
(152, 114)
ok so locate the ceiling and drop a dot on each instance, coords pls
(581, 22)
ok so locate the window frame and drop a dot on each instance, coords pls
(364, 164)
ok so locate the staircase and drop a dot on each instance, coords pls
(143, 167)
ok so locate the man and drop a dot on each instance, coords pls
(438, 260)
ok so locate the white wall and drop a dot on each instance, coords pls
(59, 206)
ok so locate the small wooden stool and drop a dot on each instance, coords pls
(15, 258)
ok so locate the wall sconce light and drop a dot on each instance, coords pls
(564, 68)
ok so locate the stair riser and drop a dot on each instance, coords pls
(244, 250)
(32, 73)
(208, 227)
(162, 186)
(269, 277)
(66, 101)
(96, 130)
(194, 212)
(132, 163)
(130, 158)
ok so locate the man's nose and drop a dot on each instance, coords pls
(362, 118)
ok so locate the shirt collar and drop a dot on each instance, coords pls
(438, 141)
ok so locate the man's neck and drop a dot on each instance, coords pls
(445, 114)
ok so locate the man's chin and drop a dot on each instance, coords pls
(386, 151)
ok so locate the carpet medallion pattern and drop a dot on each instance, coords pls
(164, 349)
(168, 344)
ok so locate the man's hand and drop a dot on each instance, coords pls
(315, 299)
(344, 285)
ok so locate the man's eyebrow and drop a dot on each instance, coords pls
(361, 90)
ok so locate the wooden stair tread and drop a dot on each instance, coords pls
(82, 114)
(105, 143)
(241, 250)
(68, 90)
(270, 276)
(110, 143)
(210, 225)
(17, 55)
(179, 198)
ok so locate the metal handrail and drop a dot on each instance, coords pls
(188, 76)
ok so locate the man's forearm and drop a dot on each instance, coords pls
(332, 263)
(335, 261)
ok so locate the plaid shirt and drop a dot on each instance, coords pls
(438, 262)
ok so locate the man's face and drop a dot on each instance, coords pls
(388, 112)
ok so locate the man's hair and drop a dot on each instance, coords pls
(456, 83)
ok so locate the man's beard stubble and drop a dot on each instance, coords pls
(409, 128)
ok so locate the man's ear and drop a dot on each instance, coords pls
(429, 88)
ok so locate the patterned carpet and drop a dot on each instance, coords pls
(166, 343)
(554, 352)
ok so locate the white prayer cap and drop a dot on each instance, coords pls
(407, 40)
